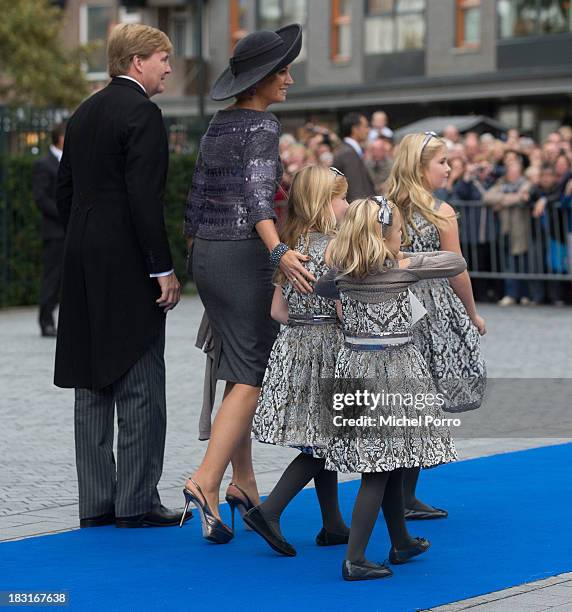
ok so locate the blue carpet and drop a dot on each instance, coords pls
(508, 524)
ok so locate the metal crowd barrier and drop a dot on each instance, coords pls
(542, 250)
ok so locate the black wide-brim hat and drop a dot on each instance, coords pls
(257, 56)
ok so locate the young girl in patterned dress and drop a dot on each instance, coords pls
(290, 409)
(449, 336)
(372, 279)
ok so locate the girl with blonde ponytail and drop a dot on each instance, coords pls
(449, 336)
(371, 278)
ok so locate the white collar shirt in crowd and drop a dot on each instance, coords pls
(383, 132)
(124, 76)
(57, 153)
(354, 144)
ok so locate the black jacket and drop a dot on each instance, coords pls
(110, 197)
(360, 184)
(44, 178)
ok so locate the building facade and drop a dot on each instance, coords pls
(508, 59)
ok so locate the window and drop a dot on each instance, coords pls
(182, 25)
(129, 14)
(95, 24)
(237, 21)
(181, 32)
(340, 32)
(533, 17)
(394, 25)
(273, 14)
(468, 23)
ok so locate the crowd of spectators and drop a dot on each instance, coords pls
(513, 196)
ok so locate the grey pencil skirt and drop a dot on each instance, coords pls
(234, 281)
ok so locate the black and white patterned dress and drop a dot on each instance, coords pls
(380, 307)
(447, 338)
(291, 410)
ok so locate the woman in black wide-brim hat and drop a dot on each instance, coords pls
(230, 224)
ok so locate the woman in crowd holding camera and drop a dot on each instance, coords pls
(230, 226)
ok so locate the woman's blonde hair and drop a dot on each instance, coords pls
(360, 246)
(129, 39)
(309, 205)
(407, 186)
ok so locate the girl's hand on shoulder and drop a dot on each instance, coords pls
(480, 324)
(402, 261)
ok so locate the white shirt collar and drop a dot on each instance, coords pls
(57, 153)
(124, 76)
(354, 144)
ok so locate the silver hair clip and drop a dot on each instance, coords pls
(428, 136)
(385, 216)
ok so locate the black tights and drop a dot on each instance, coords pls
(296, 476)
(410, 478)
(378, 489)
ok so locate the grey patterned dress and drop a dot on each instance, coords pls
(447, 338)
(291, 410)
(380, 308)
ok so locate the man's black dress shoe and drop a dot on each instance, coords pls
(366, 571)
(402, 555)
(412, 514)
(256, 520)
(49, 331)
(328, 538)
(162, 517)
(97, 521)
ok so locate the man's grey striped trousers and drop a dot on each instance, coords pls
(130, 488)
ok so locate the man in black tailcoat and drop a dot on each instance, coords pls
(44, 177)
(118, 284)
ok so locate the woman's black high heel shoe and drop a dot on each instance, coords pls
(214, 530)
(242, 504)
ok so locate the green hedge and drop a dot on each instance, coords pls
(20, 238)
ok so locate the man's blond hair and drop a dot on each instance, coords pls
(129, 39)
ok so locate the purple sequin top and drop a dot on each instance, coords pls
(236, 176)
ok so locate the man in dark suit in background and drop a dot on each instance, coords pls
(348, 157)
(118, 284)
(44, 178)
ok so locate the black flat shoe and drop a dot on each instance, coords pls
(402, 555)
(97, 521)
(327, 538)
(367, 571)
(412, 514)
(256, 520)
(162, 517)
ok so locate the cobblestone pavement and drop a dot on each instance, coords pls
(38, 490)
